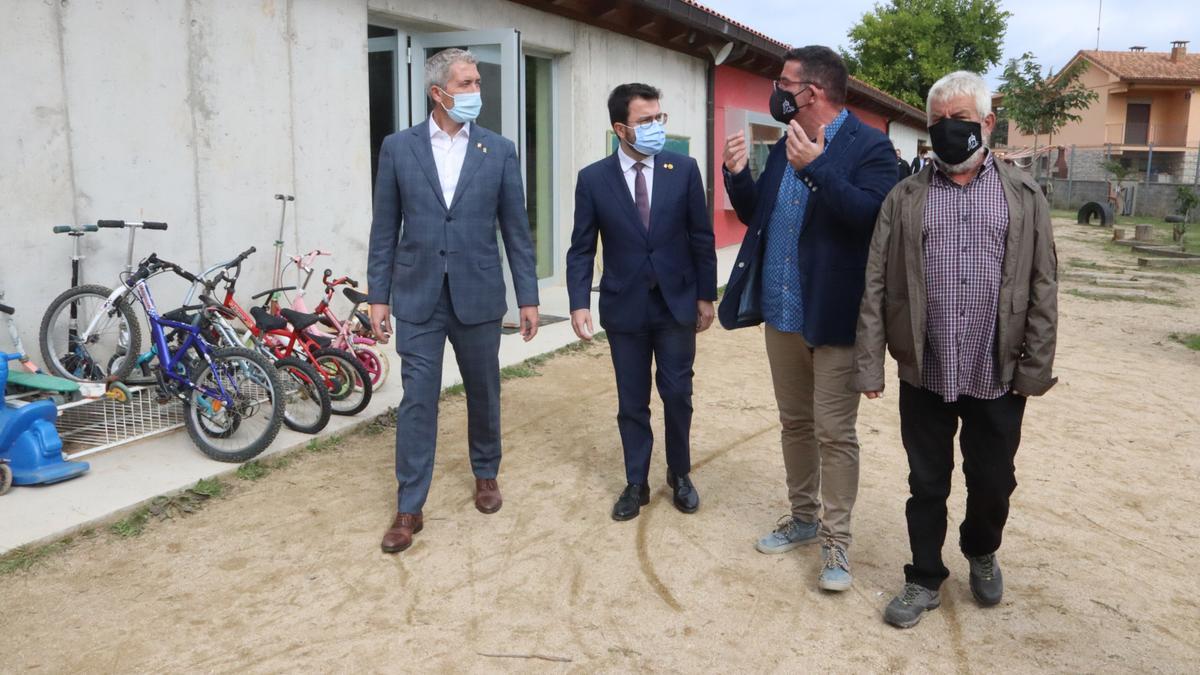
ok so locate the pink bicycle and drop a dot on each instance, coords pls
(341, 331)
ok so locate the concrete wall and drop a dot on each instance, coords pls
(193, 112)
(1155, 199)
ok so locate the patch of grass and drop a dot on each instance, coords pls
(25, 557)
(252, 470)
(1189, 340)
(208, 487)
(280, 462)
(131, 525)
(319, 445)
(453, 390)
(1115, 297)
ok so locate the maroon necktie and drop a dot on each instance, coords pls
(641, 197)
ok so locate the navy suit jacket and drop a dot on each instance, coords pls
(847, 185)
(678, 251)
(417, 240)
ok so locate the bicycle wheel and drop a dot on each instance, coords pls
(349, 383)
(237, 432)
(5, 478)
(116, 333)
(306, 398)
(372, 362)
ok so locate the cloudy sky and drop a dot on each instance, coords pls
(1052, 29)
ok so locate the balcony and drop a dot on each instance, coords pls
(1141, 134)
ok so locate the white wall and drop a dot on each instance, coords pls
(905, 137)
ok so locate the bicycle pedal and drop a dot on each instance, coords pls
(162, 398)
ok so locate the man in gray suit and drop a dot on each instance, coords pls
(442, 187)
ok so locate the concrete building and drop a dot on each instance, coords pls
(197, 112)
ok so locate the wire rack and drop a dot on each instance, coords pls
(87, 427)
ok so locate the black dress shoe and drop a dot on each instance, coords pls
(684, 494)
(631, 501)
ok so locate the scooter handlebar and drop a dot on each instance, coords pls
(5, 309)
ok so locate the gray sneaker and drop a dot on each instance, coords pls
(905, 610)
(789, 533)
(987, 584)
(835, 567)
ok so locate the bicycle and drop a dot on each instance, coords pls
(307, 405)
(344, 336)
(111, 332)
(224, 390)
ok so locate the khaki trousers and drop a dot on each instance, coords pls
(818, 410)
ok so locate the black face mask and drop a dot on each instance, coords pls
(955, 141)
(783, 105)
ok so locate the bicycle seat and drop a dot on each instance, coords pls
(357, 297)
(265, 320)
(323, 340)
(363, 319)
(299, 319)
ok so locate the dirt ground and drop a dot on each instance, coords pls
(1100, 556)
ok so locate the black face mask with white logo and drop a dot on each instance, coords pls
(955, 141)
(783, 105)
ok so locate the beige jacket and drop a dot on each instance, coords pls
(893, 305)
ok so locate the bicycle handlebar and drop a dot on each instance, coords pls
(336, 282)
(5, 309)
(75, 231)
(146, 225)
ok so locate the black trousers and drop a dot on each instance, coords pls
(991, 432)
(671, 346)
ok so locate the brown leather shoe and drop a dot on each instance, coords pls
(487, 495)
(400, 535)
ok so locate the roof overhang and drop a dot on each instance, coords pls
(697, 31)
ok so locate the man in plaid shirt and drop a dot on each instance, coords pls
(961, 288)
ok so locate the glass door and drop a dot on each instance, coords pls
(387, 76)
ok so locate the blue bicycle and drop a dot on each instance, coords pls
(233, 397)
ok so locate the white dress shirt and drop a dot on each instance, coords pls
(630, 173)
(448, 154)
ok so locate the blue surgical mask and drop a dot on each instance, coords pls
(649, 139)
(466, 106)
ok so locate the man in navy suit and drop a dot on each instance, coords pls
(800, 270)
(443, 185)
(658, 286)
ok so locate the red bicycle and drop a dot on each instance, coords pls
(348, 381)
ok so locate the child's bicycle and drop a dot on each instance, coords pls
(233, 402)
(343, 335)
(308, 405)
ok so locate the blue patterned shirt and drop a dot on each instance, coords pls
(782, 302)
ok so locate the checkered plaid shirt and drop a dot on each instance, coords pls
(963, 245)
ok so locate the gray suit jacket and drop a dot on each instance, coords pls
(417, 239)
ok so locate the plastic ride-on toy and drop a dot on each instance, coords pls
(30, 447)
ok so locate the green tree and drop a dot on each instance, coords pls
(1040, 104)
(904, 46)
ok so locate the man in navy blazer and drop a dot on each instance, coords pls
(801, 271)
(442, 187)
(657, 289)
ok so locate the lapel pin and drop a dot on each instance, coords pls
(668, 166)
(480, 146)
